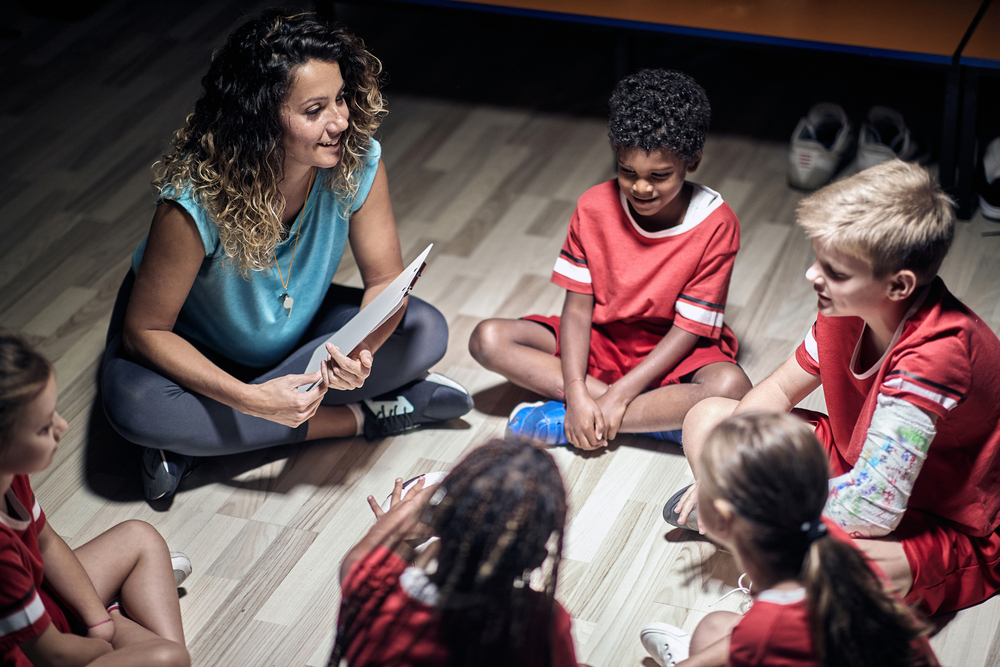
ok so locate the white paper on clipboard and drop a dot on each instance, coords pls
(371, 317)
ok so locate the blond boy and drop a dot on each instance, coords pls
(911, 379)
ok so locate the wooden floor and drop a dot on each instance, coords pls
(87, 107)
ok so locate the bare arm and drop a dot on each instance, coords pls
(674, 346)
(55, 649)
(781, 391)
(392, 529)
(584, 422)
(375, 244)
(65, 574)
(173, 256)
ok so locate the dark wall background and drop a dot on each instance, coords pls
(568, 67)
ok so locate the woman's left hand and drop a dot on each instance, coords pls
(346, 373)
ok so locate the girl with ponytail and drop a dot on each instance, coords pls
(763, 486)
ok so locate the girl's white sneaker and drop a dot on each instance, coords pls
(667, 644)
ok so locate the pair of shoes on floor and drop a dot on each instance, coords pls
(667, 644)
(671, 516)
(434, 398)
(823, 143)
(988, 182)
(162, 471)
(542, 423)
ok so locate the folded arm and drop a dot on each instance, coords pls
(870, 499)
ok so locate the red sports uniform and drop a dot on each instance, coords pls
(400, 626)
(776, 630)
(26, 610)
(645, 282)
(945, 360)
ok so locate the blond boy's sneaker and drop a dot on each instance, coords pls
(885, 136)
(182, 567)
(667, 644)
(821, 146)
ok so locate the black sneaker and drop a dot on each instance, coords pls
(671, 516)
(162, 471)
(434, 398)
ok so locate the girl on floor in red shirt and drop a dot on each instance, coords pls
(763, 485)
(480, 595)
(62, 606)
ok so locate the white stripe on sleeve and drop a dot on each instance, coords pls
(695, 313)
(811, 346)
(897, 382)
(580, 274)
(23, 617)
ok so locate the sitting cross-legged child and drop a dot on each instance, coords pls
(911, 379)
(470, 597)
(109, 602)
(763, 485)
(646, 267)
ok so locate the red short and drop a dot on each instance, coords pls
(951, 570)
(611, 357)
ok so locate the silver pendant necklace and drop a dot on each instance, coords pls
(286, 300)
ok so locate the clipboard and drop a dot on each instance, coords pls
(371, 317)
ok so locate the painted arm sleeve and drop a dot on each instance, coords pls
(869, 501)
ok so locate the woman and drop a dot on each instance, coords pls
(230, 292)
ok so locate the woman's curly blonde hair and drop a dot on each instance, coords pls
(230, 152)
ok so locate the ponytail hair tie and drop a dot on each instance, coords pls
(813, 529)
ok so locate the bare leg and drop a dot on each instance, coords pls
(332, 421)
(710, 641)
(699, 422)
(135, 645)
(664, 409)
(133, 558)
(521, 351)
(887, 552)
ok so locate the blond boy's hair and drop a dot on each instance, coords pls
(893, 215)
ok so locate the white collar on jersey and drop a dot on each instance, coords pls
(790, 596)
(892, 343)
(703, 202)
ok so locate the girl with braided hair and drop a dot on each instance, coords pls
(763, 486)
(480, 595)
(275, 171)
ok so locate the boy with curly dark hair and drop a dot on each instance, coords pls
(646, 267)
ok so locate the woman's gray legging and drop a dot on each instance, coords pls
(149, 409)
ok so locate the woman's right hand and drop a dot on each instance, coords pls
(279, 400)
(584, 424)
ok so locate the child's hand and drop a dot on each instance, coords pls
(344, 372)
(404, 512)
(105, 631)
(686, 504)
(584, 423)
(613, 408)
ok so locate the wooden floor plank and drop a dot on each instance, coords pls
(493, 188)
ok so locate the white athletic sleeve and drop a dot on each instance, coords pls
(870, 499)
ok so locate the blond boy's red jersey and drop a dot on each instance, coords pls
(944, 359)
